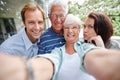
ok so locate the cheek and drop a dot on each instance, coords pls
(42, 26)
(92, 34)
(77, 32)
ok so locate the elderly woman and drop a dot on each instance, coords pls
(66, 58)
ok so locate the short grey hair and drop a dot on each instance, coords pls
(70, 18)
(64, 5)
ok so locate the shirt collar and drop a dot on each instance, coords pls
(26, 40)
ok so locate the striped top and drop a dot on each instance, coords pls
(49, 40)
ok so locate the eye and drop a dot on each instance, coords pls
(84, 26)
(74, 27)
(31, 22)
(40, 22)
(90, 27)
(61, 16)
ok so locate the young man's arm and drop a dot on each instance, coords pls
(17, 68)
(103, 64)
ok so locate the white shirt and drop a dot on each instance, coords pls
(70, 69)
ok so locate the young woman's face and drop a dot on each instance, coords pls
(88, 30)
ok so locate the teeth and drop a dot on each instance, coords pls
(35, 32)
(70, 35)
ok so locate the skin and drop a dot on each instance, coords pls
(34, 24)
(12, 68)
(17, 69)
(71, 33)
(103, 64)
(57, 23)
(89, 33)
(89, 29)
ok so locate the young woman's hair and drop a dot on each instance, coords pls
(102, 25)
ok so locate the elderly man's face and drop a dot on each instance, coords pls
(57, 17)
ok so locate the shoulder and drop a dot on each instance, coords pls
(47, 31)
(84, 44)
(113, 43)
(83, 48)
(116, 38)
(13, 42)
(13, 39)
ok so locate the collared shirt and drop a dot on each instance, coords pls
(57, 55)
(49, 40)
(19, 45)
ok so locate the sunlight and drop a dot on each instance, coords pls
(80, 2)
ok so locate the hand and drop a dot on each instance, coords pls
(12, 68)
(97, 40)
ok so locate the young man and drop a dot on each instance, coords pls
(25, 43)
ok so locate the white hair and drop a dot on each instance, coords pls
(64, 5)
(70, 18)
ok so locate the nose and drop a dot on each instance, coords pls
(85, 29)
(58, 19)
(70, 29)
(37, 26)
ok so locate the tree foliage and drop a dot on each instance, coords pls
(109, 7)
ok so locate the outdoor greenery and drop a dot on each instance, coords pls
(109, 7)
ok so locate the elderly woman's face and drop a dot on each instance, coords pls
(71, 32)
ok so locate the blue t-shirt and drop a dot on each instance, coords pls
(49, 40)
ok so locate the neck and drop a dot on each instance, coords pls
(70, 48)
(60, 32)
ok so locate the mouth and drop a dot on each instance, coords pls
(70, 35)
(36, 33)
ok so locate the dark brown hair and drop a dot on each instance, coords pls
(102, 25)
(32, 6)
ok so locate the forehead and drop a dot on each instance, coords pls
(57, 9)
(89, 21)
(33, 14)
(71, 24)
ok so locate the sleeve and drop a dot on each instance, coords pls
(55, 58)
(84, 49)
(5, 49)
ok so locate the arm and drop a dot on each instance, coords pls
(42, 68)
(103, 64)
(97, 40)
(14, 68)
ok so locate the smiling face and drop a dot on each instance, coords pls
(88, 30)
(34, 24)
(71, 32)
(57, 17)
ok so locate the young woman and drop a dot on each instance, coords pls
(98, 29)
